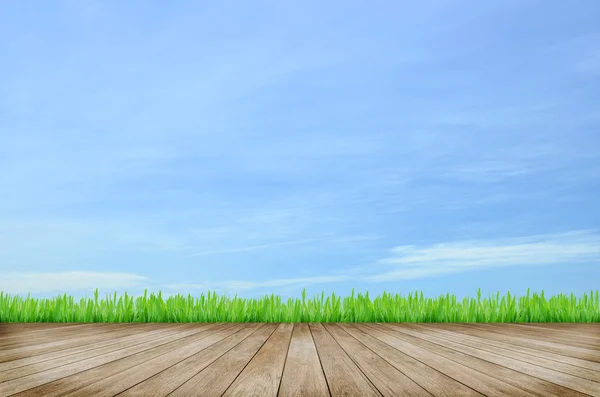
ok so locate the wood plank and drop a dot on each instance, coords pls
(575, 329)
(31, 325)
(589, 334)
(593, 325)
(343, 376)
(24, 344)
(435, 382)
(151, 378)
(304, 360)
(303, 375)
(54, 335)
(217, 377)
(384, 376)
(117, 383)
(46, 347)
(262, 375)
(490, 346)
(483, 383)
(85, 352)
(18, 341)
(454, 330)
(576, 352)
(500, 367)
(8, 330)
(539, 334)
(126, 335)
(35, 336)
(165, 382)
(68, 377)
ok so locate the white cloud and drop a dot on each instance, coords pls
(413, 262)
(410, 262)
(66, 282)
(406, 262)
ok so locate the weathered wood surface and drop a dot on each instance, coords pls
(308, 360)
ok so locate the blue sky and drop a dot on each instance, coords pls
(265, 147)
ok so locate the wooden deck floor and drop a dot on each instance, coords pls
(299, 360)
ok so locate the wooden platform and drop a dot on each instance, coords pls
(300, 360)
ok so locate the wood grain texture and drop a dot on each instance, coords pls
(183, 372)
(491, 352)
(421, 360)
(18, 339)
(384, 376)
(262, 375)
(481, 382)
(501, 367)
(119, 382)
(435, 382)
(517, 339)
(580, 331)
(58, 381)
(31, 348)
(303, 375)
(456, 330)
(10, 330)
(343, 376)
(538, 334)
(214, 380)
(25, 366)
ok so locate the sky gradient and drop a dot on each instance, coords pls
(265, 147)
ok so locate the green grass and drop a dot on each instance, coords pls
(359, 308)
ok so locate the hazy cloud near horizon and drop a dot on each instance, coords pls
(404, 263)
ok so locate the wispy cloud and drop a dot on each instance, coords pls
(406, 262)
(409, 262)
(414, 262)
